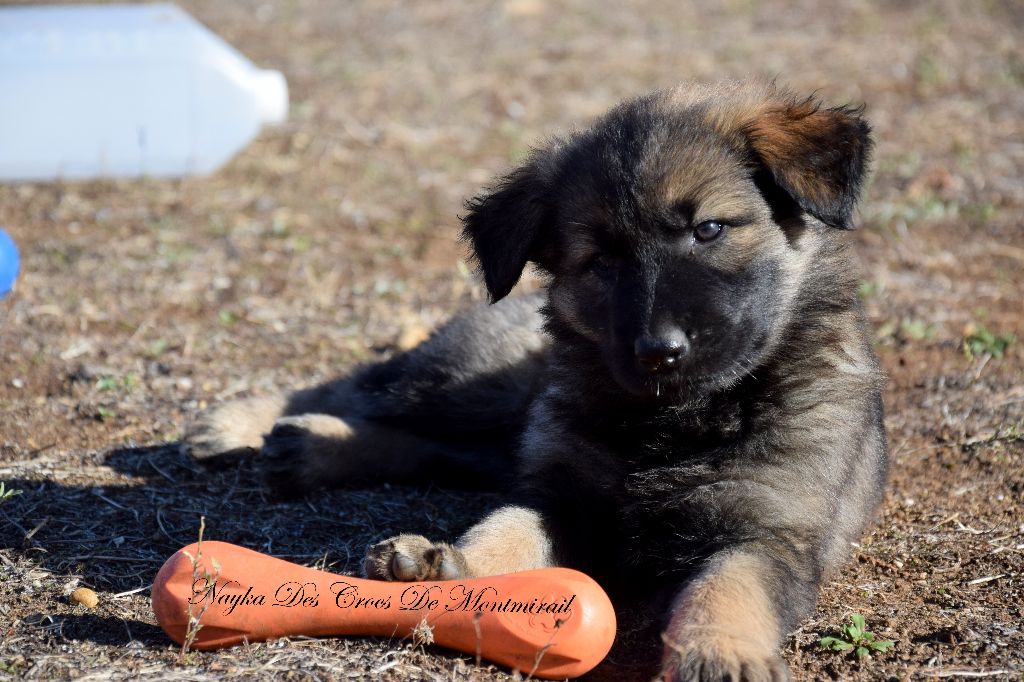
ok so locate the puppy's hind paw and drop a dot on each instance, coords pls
(414, 557)
(235, 428)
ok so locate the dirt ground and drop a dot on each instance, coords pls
(332, 240)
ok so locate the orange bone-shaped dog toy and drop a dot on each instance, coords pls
(553, 622)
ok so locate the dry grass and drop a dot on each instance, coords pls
(332, 238)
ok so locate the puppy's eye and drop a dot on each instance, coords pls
(708, 230)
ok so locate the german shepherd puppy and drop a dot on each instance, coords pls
(694, 402)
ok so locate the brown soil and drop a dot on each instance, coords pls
(331, 240)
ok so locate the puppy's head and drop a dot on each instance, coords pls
(677, 230)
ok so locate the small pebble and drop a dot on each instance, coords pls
(85, 597)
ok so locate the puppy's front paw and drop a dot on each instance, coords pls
(304, 452)
(413, 557)
(703, 657)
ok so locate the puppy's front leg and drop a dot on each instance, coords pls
(509, 539)
(728, 623)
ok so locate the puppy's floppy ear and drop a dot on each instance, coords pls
(506, 227)
(817, 155)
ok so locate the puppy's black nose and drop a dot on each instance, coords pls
(662, 352)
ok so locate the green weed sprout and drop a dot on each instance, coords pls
(857, 638)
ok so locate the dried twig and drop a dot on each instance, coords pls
(965, 673)
(544, 649)
(194, 620)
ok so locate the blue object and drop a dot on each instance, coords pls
(8, 263)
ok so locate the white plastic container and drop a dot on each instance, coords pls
(124, 91)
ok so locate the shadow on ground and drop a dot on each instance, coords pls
(115, 537)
